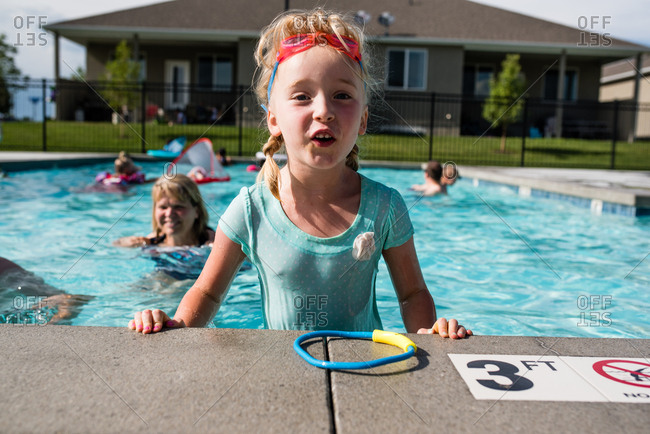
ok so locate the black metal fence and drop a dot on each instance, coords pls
(77, 116)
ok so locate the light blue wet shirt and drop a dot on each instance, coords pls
(312, 283)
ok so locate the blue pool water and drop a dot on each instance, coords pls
(502, 263)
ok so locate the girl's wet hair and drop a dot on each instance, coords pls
(434, 170)
(289, 24)
(181, 188)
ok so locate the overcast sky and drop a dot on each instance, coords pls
(628, 19)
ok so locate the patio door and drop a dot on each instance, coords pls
(177, 81)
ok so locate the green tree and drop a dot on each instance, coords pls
(120, 79)
(504, 104)
(9, 72)
(79, 74)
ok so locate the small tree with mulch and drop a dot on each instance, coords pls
(504, 104)
(120, 78)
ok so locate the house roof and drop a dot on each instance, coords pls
(624, 69)
(458, 22)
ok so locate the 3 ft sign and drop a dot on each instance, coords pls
(554, 378)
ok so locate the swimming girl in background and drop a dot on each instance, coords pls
(436, 178)
(179, 217)
(126, 173)
(316, 229)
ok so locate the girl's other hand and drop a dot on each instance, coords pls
(152, 321)
(447, 329)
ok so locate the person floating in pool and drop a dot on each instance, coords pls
(197, 173)
(437, 178)
(179, 216)
(25, 298)
(223, 157)
(126, 173)
(315, 229)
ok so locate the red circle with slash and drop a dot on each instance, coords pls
(628, 367)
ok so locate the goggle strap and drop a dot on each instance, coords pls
(268, 89)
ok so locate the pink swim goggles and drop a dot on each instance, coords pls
(298, 43)
(304, 41)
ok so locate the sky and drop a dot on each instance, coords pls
(622, 19)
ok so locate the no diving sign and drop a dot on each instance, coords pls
(554, 378)
(628, 372)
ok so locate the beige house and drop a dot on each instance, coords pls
(441, 46)
(629, 80)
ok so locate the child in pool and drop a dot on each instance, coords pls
(126, 172)
(316, 229)
(197, 173)
(436, 178)
(32, 300)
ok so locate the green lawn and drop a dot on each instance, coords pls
(471, 150)
(105, 137)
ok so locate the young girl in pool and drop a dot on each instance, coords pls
(179, 216)
(316, 228)
(126, 173)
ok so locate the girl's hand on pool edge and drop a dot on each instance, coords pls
(447, 329)
(152, 321)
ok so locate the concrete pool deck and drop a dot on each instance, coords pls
(617, 191)
(11, 161)
(104, 379)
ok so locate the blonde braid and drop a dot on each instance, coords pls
(352, 160)
(270, 172)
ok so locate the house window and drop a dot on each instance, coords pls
(407, 69)
(476, 80)
(215, 72)
(570, 85)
